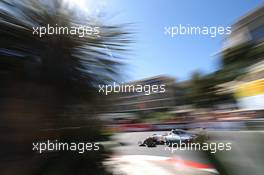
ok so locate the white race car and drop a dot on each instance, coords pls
(177, 135)
(174, 136)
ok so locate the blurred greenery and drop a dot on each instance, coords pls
(156, 117)
(49, 85)
(202, 91)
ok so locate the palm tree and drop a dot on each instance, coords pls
(50, 82)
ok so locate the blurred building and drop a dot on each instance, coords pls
(139, 101)
(248, 29)
(249, 87)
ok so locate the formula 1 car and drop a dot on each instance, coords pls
(174, 136)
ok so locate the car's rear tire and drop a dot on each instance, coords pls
(168, 143)
(150, 142)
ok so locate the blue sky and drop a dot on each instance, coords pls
(155, 53)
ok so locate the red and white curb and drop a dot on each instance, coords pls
(157, 165)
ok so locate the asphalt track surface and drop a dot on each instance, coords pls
(132, 159)
(129, 146)
(246, 156)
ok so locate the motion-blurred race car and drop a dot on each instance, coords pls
(174, 136)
